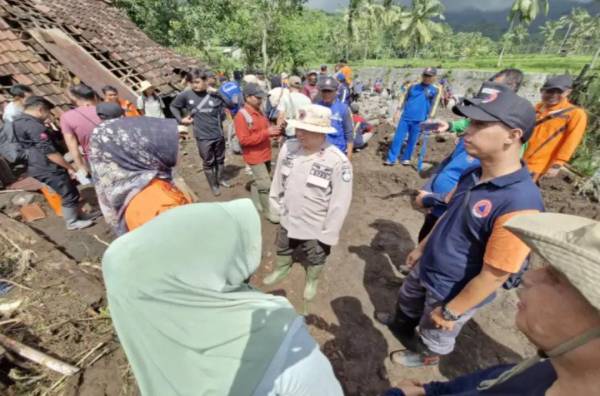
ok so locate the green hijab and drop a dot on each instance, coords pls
(188, 322)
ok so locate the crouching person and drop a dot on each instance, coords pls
(311, 192)
(45, 163)
(191, 324)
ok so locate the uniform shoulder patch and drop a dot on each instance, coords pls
(347, 172)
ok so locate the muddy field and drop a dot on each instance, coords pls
(56, 277)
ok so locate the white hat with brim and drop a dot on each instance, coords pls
(569, 243)
(145, 85)
(313, 118)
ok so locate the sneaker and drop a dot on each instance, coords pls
(383, 317)
(414, 360)
(388, 163)
(79, 225)
(405, 163)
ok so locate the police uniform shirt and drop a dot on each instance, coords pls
(312, 193)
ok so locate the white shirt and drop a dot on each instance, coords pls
(151, 106)
(290, 105)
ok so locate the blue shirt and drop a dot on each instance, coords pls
(343, 94)
(446, 178)
(341, 120)
(419, 102)
(467, 233)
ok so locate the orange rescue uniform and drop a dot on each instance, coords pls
(157, 197)
(347, 72)
(129, 108)
(541, 156)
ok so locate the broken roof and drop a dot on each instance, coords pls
(44, 44)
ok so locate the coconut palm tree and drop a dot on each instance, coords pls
(523, 11)
(417, 27)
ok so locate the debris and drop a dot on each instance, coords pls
(7, 309)
(22, 199)
(27, 184)
(96, 237)
(32, 212)
(37, 356)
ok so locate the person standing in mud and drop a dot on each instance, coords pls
(469, 254)
(311, 192)
(206, 109)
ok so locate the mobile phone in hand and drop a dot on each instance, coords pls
(430, 126)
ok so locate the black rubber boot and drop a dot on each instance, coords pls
(211, 177)
(404, 326)
(220, 179)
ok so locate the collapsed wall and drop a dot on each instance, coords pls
(463, 82)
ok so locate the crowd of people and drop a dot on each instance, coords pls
(181, 302)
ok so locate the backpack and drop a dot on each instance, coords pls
(236, 147)
(10, 148)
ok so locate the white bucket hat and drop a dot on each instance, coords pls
(145, 85)
(313, 118)
(569, 243)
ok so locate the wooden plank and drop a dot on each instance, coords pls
(73, 57)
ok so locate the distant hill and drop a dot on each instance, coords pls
(495, 23)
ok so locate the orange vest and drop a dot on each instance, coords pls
(129, 109)
(549, 146)
(158, 196)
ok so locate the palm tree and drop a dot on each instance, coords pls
(417, 27)
(523, 11)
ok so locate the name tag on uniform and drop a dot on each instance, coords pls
(320, 175)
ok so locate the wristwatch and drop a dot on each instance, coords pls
(449, 315)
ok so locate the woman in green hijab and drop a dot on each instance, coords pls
(188, 320)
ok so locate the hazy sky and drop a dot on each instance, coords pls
(453, 5)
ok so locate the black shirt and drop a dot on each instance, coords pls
(208, 120)
(35, 138)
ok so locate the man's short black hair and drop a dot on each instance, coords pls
(34, 102)
(512, 77)
(198, 74)
(109, 88)
(19, 90)
(83, 92)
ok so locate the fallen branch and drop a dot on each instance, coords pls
(37, 356)
(96, 237)
(16, 284)
(10, 321)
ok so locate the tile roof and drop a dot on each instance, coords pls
(102, 30)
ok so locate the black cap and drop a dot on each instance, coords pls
(563, 82)
(109, 110)
(254, 90)
(498, 103)
(430, 71)
(328, 84)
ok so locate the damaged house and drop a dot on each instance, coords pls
(50, 44)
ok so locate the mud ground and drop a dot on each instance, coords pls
(65, 312)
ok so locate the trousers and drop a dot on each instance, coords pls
(62, 184)
(212, 152)
(309, 253)
(415, 301)
(405, 127)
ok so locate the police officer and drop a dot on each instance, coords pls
(311, 191)
(341, 118)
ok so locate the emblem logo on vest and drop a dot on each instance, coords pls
(482, 208)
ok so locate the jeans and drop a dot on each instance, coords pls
(405, 127)
(415, 301)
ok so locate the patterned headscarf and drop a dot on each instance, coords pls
(126, 154)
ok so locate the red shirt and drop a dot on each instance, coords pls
(255, 140)
(311, 91)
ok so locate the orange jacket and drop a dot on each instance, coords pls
(157, 197)
(129, 108)
(561, 148)
(347, 72)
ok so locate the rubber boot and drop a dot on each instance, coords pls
(255, 196)
(263, 197)
(211, 177)
(283, 266)
(72, 220)
(220, 179)
(312, 281)
(403, 326)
